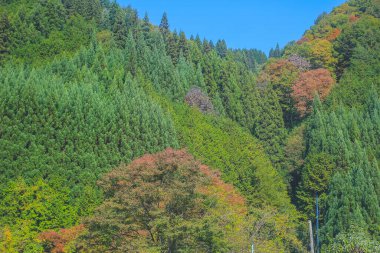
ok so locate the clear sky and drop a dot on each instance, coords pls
(242, 23)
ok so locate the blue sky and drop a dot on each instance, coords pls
(242, 23)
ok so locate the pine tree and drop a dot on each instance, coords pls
(120, 30)
(130, 48)
(206, 46)
(276, 52)
(5, 37)
(269, 127)
(198, 41)
(131, 18)
(146, 25)
(164, 25)
(183, 46)
(221, 48)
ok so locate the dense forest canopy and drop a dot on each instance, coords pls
(117, 135)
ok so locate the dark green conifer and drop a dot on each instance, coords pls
(5, 37)
(221, 48)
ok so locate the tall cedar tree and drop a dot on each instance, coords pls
(5, 37)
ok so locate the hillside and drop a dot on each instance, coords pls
(117, 135)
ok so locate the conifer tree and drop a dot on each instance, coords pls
(5, 37)
(183, 46)
(164, 25)
(206, 46)
(146, 26)
(120, 30)
(221, 48)
(269, 127)
(198, 41)
(131, 18)
(276, 52)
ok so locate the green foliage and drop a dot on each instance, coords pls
(42, 30)
(348, 168)
(294, 152)
(5, 37)
(221, 143)
(354, 241)
(315, 179)
(69, 123)
(353, 200)
(27, 210)
(110, 87)
(359, 42)
(346, 132)
(269, 127)
(359, 54)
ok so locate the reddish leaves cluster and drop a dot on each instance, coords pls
(353, 18)
(56, 242)
(333, 34)
(310, 83)
(195, 97)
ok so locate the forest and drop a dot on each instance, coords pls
(117, 135)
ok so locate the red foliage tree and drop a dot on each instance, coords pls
(56, 242)
(310, 83)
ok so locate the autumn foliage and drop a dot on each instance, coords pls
(278, 72)
(310, 83)
(353, 18)
(56, 242)
(162, 201)
(333, 34)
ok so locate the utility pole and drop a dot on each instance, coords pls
(311, 237)
(317, 224)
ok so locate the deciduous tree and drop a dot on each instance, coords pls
(314, 82)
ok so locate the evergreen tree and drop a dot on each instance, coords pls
(5, 37)
(206, 46)
(120, 30)
(183, 46)
(146, 25)
(131, 19)
(198, 41)
(221, 48)
(164, 25)
(275, 53)
(269, 127)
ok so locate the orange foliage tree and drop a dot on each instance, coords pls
(57, 242)
(310, 83)
(333, 34)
